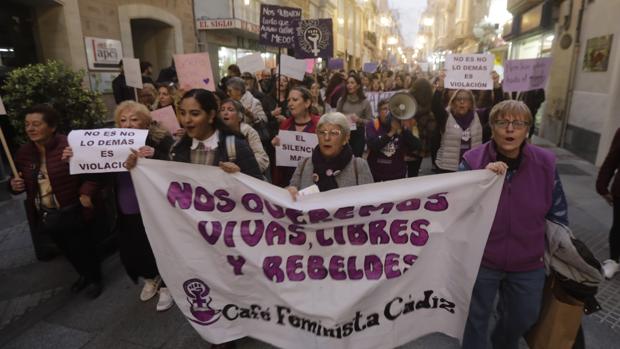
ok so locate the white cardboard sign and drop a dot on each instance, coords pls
(251, 63)
(469, 71)
(103, 150)
(293, 68)
(294, 146)
(2, 108)
(131, 69)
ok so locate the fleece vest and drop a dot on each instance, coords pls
(517, 239)
(449, 153)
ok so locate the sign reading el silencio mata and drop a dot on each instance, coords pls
(469, 71)
(103, 150)
(276, 25)
(294, 146)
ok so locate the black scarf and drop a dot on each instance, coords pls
(326, 170)
(513, 164)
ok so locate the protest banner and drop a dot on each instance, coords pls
(526, 74)
(370, 67)
(194, 71)
(293, 68)
(251, 63)
(166, 118)
(314, 38)
(276, 25)
(469, 71)
(347, 268)
(131, 69)
(335, 64)
(294, 146)
(103, 150)
(375, 97)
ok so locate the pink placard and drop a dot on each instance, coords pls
(166, 118)
(194, 71)
(310, 62)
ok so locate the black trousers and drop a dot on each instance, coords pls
(614, 232)
(413, 167)
(135, 249)
(358, 142)
(74, 239)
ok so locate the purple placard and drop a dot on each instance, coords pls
(370, 67)
(526, 74)
(335, 64)
(314, 38)
(276, 25)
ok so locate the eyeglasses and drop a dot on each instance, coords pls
(516, 124)
(331, 133)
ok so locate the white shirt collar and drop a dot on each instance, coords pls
(209, 143)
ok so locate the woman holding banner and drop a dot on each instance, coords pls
(206, 139)
(460, 126)
(357, 108)
(57, 203)
(133, 244)
(512, 263)
(301, 120)
(332, 164)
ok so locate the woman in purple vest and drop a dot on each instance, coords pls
(512, 263)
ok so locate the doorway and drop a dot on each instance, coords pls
(153, 41)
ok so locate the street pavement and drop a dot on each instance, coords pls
(37, 309)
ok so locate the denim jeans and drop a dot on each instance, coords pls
(520, 296)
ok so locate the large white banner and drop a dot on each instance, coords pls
(371, 266)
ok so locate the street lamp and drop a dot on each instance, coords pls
(384, 21)
(428, 21)
(392, 40)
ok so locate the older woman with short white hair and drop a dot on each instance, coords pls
(332, 164)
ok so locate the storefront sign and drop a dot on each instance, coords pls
(194, 71)
(103, 150)
(226, 23)
(526, 74)
(469, 71)
(314, 38)
(294, 146)
(367, 267)
(103, 54)
(276, 25)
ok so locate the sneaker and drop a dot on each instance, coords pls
(610, 268)
(150, 288)
(165, 301)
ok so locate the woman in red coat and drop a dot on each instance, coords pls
(57, 202)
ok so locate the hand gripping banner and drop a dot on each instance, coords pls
(371, 266)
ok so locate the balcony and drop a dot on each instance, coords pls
(519, 6)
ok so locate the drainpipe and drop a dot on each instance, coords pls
(572, 73)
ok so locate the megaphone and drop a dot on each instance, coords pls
(402, 106)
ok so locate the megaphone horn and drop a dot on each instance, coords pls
(402, 106)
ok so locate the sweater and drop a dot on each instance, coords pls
(386, 155)
(251, 135)
(353, 105)
(516, 242)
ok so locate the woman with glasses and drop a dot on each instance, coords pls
(512, 264)
(332, 164)
(460, 125)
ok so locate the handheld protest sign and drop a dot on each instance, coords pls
(133, 75)
(293, 68)
(103, 150)
(8, 155)
(294, 146)
(469, 71)
(526, 74)
(194, 71)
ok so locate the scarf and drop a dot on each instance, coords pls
(326, 170)
(465, 120)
